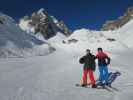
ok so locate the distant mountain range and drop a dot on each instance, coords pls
(22, 39)
(48, 26)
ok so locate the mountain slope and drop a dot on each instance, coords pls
(126, 34)
(49, 78)
(118, 40)
(53, 77)
(93, 39)
(15, 42)
(121, 21)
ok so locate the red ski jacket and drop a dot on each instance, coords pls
(103, 59)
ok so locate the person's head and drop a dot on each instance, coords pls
(88, 51)
(100, 50)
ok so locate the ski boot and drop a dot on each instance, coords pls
(94, 86)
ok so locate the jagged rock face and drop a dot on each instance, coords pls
(42, 24)
(115, 24)
(64, 28)
(47, 25)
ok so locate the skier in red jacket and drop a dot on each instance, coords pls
(103, 62)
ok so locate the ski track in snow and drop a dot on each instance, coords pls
(54, 77)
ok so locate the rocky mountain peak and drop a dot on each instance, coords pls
(45, 24)
(122, 20)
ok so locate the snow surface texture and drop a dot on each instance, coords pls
(126, 34)
(24, 25)
(15, 42)
(118, 40)
(53, 77)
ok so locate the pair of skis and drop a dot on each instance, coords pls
(111, 78)
(106, 87)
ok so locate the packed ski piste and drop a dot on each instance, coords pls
(87, 65)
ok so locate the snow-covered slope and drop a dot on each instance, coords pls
(126, 34)
(92, 40)
(24, 25)
(53, 77)
(15, 42)
(120, 39)
(122, 35)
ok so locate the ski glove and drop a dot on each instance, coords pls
(81, 60)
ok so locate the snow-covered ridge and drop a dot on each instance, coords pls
(15, 42)
(121, 21)
(119, 39)
(126, 34)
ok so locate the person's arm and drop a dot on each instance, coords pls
(96, 57)
(81, 60)
(108, 60)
